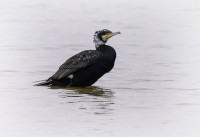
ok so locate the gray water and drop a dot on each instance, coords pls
(153, 90)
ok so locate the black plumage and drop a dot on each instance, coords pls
(86, 67)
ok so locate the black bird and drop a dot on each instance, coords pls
(86, 67)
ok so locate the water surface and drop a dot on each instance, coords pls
(153, 89)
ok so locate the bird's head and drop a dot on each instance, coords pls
(102, 36)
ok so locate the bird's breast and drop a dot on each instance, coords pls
(106, 63)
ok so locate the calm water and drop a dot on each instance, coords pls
(153, 90)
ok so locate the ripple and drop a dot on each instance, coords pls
(9, 70)
(187, 104)
(141, 107)
(182, 89)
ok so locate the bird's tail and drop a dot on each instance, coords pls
(44, 82)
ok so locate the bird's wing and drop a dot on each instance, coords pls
(77, 62)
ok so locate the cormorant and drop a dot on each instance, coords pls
(86, 67)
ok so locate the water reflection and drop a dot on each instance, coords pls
(90, 90)
(92, 99)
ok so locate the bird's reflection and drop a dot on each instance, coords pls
(91, 99)
(90, 90)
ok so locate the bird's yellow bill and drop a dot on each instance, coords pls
(109, 35)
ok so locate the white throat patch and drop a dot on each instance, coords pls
(97, 41)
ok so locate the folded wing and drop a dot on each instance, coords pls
(76, 63)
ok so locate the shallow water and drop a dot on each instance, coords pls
(153, 89)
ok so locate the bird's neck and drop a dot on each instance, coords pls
(101, 47)
(98, 42)
(106, 49)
